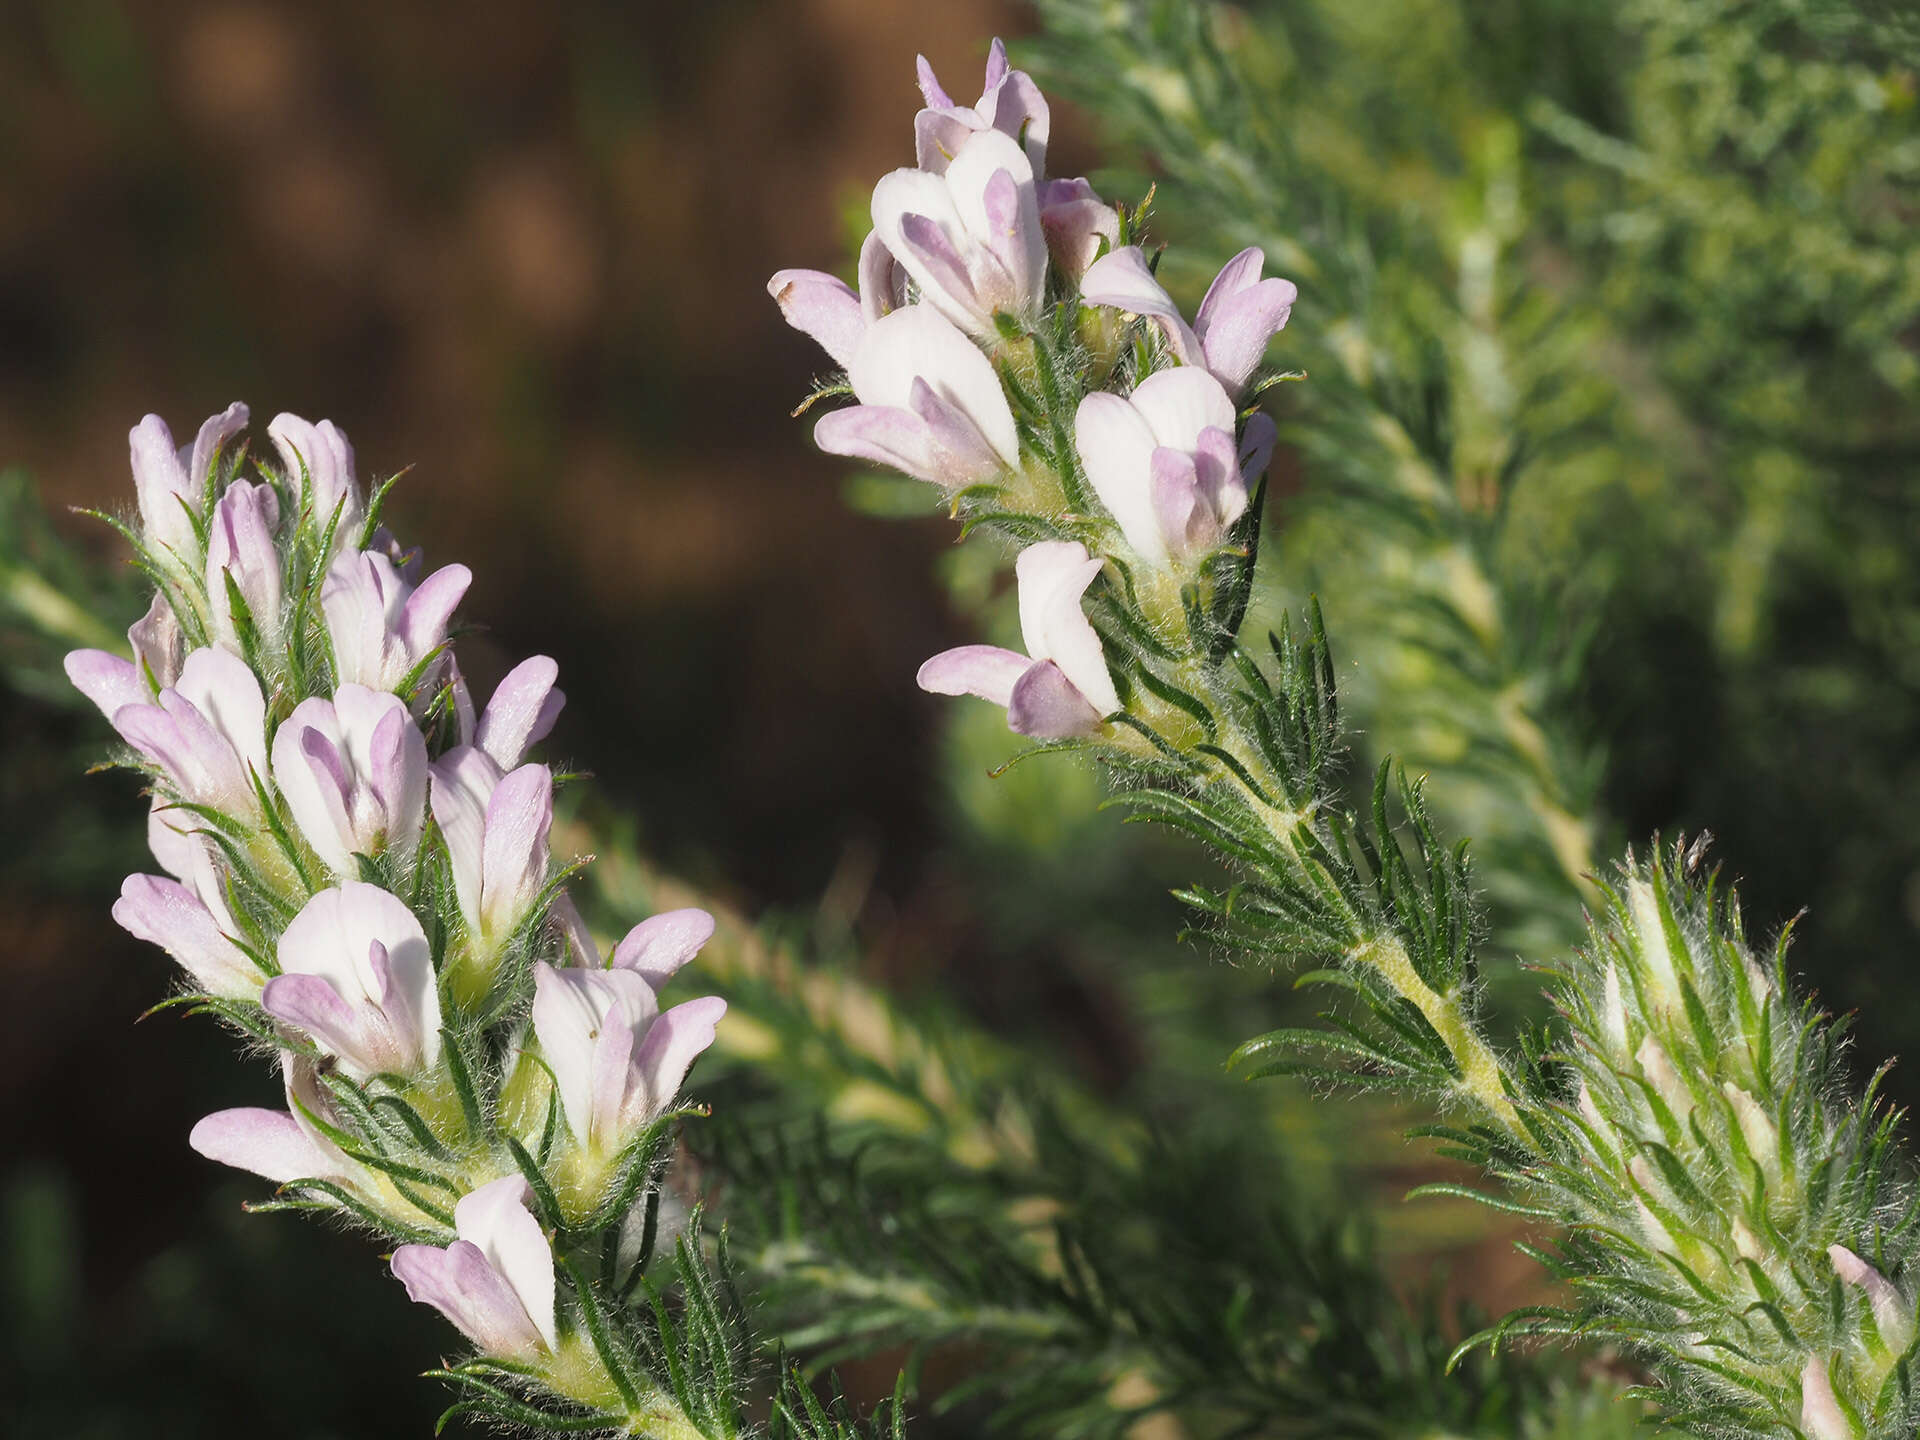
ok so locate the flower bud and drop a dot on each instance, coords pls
(240, 549)
(1892, 1315)
(1665, 1080)
(1763, 1139)
(1820, 1414)
(171, 484)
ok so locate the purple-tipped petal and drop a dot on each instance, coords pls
(1014, 106)
(395, 773)
(822, 306)
(887, 435)
(214, 433)
(1218, 482)
(166, 913)
(312, 778)
(938, 136)
(996, 64)
(674, 1041)
(463, 780)
(983, 670)
(461, 1285)
(918, 343)
(1237, 339)
(883, 284)
(318, 461)
(1080, 225)
(1178, 513)
(495, 1220)
(1046, 706)
(108, 681)
(514, 849)
(930, 88)
(240, 548)
(226, 693)
(659, 945)
(584, 1021)
(991, 185)
(522, 711)
(270, 1143)
(352, 1032)
(1240, 273)
(964, 451)
(167, 497)
(364, 946)
(930, 252)
(1052, 576)
(157, 649)
(423, 619)
(1256, 446)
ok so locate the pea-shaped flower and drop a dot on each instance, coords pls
(930, 404)
(495, 1282)
(318, 461)
(1229, 334)
(832, 311)
(381, 626)
(1164, 463)
(240, 552)
(353, 770)
(205, 734)
(971, 238)
(1060, 687)
(170, 483)
(617, 1061)
(356, 975)
(185, 911)
(1009, 102)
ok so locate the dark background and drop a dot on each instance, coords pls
(522, 248)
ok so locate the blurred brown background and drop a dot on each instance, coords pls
(523, 248)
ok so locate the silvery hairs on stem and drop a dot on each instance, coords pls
(358, 878)
(1728, 1210)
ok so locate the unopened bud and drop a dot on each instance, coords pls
(1891, 1313)
(1757, 1126)
(1820, 1414)
(1653, 940)
(1666, 1081)
(1613, 1015)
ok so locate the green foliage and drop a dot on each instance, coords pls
(1097, 1290)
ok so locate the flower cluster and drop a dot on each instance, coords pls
(1009, 343)
(357, 872)
(1726, 1209)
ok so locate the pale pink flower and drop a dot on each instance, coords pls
(1060, 688)
(1164, 463)
(930, 405)
(495, 1282)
